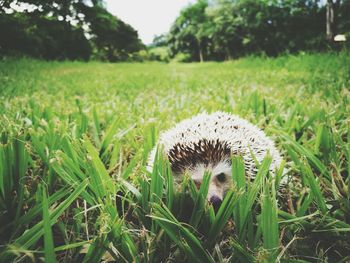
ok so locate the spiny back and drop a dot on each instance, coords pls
(210, 138)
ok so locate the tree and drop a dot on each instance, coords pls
(42, 37)
(189, 33)
(224, 29)
(343, 20)
(332, 9)
(53, 29)
(114, 39)
(159, 40)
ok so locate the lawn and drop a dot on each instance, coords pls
(74, 143)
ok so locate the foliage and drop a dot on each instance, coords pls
(159, 41)
(42, 37)
(158, 54)
(226, 29)
(188, 34)
(65, 30)
(114, 39)
(75, 139)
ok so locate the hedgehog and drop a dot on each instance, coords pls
(207, 142)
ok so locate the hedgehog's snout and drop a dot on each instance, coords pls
(215, 200)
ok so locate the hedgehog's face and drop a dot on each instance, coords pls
(220, 180)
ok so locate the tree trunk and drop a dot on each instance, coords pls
(200, 51)
(228, 54)
(330, 21)
(201, 59)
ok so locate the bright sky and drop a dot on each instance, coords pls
(148, 17)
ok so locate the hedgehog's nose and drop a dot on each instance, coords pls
(215, 201)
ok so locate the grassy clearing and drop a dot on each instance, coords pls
(75, 139)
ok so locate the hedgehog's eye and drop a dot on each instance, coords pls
(221, 177)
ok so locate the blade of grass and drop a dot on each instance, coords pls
(31, 236)
(102, 176)
(243, 254)
(180, 234)
(314, 186)
(239, 179)
(200, 202)
(308, 154)
(269, 220)
(112, 130)
(50, 256)
(222, 216)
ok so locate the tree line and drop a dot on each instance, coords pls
(226, 29)
(204, 30)
(65, 29)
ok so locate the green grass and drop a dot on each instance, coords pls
(74, 143)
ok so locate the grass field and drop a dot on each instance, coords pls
(75, 139)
